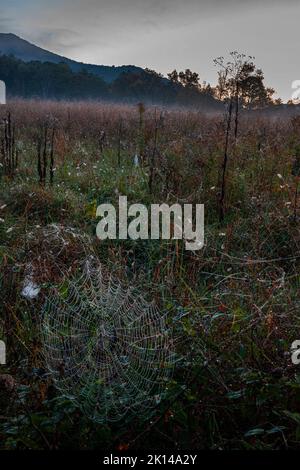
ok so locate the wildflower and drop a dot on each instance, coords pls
(280, 176)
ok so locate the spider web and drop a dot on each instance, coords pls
(104, 345)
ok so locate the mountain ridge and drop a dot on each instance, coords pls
(11, 44)
(32, 72)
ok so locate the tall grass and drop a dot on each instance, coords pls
(234, 304)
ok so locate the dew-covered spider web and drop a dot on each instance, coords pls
(104, 345)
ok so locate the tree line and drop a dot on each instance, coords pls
(239, 78)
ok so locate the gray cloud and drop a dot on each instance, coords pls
(163, 34)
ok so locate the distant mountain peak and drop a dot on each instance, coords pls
(11, 35)
(11, 44)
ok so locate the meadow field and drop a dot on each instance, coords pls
(233, 307)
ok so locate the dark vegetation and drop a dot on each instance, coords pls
(239, 80)
(46, 80)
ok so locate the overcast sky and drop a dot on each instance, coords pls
(165, 34)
